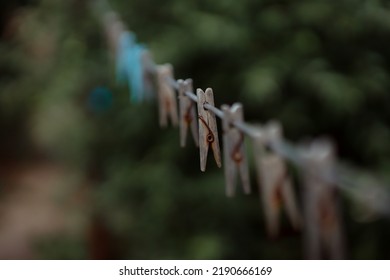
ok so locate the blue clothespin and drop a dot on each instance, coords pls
(136, 73)
(130, 66)
(126, 43)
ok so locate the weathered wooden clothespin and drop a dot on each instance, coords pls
(149, 77)
(322, 217)
(166, 96)
(274, 182)
(208, 133)
(113, 29)
(234, 149)
(187, 113)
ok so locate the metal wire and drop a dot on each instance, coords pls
(375, 195)
(363, 188)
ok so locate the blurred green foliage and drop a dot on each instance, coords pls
(320, 67)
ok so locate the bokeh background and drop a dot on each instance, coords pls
(85, 178)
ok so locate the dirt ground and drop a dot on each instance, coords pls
(36, 200)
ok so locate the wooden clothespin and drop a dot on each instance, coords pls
(166, 96)
(208, 133)
(322, 217)
(113, 29)
(149, 77)
(187, 113)
(274, 182)
(234, 149)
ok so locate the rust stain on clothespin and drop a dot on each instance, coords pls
(274, 182)
(234, 150)
(323, 231)
(208, 133)
(166, 96)
(187, 113)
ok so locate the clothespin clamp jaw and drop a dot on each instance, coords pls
(266, 136)
(323, 223)
(274, 182)
(166, 96)
(274, 132)
(234, 149)
(208, 133)
(187, 113)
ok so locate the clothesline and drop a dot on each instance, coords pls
(374, 193)
(321, 172)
